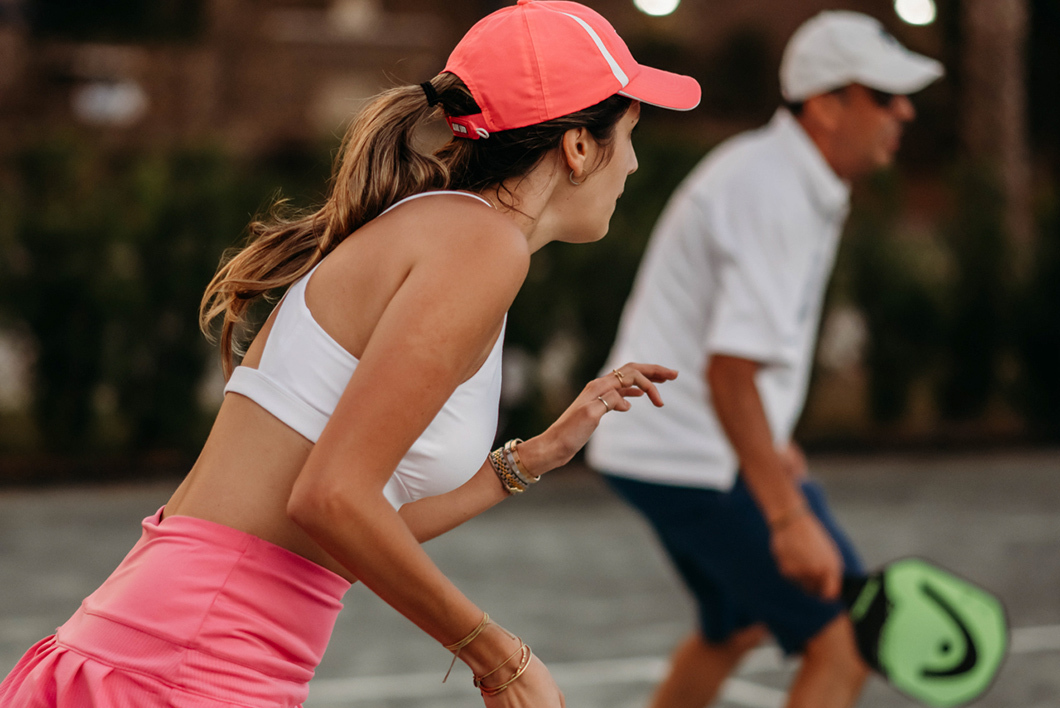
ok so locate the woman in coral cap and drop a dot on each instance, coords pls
(360, 420)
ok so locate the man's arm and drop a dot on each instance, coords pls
(804, 551)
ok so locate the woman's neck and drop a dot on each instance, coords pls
(530, 197)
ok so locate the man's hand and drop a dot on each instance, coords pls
(807, 555)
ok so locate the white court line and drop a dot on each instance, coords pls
(573, 674)
(752, 695)
(638, 670)
(738, 691)
(1032, 640)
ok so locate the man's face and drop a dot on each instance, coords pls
(869, 128)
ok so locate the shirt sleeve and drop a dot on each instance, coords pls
(753, 310)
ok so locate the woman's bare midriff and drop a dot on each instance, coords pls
(244, 476)
(247, 469)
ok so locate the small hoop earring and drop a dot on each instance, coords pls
(571, 178)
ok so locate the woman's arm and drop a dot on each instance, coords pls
(431, 337)
(430, 517)
(433, 516)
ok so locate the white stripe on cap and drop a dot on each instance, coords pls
(615, 68)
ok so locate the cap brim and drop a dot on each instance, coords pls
(663, 89)
(901, 73)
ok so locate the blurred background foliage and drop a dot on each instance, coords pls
(103, 260)
(952, 329)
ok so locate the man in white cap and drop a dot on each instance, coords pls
(730, 294)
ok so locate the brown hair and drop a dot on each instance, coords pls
(377, 166)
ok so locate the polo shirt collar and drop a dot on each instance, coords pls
(830, 193)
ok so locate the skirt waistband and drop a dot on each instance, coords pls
(212, 610)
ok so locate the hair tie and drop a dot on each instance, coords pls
(430, 93)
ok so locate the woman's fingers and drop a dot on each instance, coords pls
(653, 372)
(599, 397)
(649, 388)
(643, 377)
(630, 381)
(607, 406)
(615, 399)
(633, 374)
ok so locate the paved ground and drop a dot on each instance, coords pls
(580, 578)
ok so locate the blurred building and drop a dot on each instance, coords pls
(251, 73)
(258, 73)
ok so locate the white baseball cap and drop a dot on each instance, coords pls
(837, 47)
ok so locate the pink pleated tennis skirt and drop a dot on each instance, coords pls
(198, 615)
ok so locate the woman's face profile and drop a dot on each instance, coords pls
(593, 201)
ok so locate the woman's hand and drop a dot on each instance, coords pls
(534, 689)
(506, 670)
(556, 446)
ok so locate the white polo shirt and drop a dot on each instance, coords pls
(738, 264)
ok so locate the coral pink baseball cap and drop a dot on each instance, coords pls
(542, 59)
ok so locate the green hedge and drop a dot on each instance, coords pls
(103, 261)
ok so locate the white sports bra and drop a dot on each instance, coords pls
(303, 372)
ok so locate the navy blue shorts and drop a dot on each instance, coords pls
(719, 542)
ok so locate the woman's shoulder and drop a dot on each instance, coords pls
(459, 226)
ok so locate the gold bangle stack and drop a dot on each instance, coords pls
(524, 662)
(511, 453)
(509, 468)
(457, 647)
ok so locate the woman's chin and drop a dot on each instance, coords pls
(584, 236)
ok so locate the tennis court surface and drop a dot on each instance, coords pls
(580, 578)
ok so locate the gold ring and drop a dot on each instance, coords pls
(606, 405)
(619, 376)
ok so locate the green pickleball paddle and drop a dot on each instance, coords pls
(935, 637)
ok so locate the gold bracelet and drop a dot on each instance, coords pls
(457, 647)
(478, 679)
(789, 517)
(511, 448)
(524, 664)
(509, 460)
(509, 480)
(507, 475)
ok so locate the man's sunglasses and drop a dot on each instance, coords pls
(881, 98)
